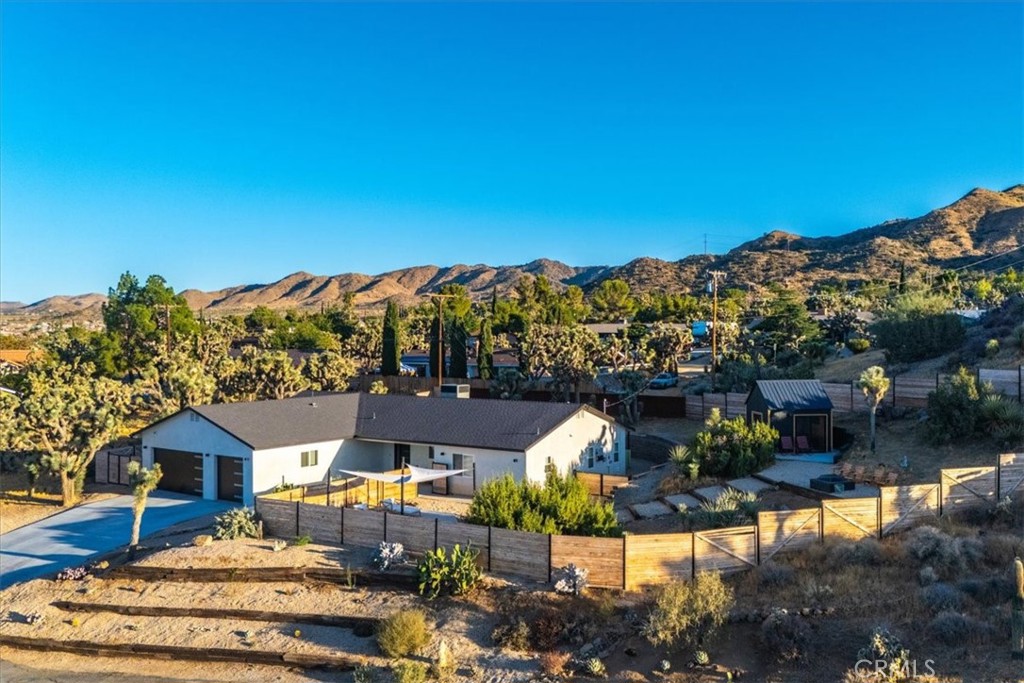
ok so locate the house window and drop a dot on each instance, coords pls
(430, 452)
(590, 457)
(463, 462)
(193, 417)
(549, 464)
(309, 458)
(615, 453)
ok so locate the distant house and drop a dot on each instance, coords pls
(235, 451)
(799, 409)
(418, 362)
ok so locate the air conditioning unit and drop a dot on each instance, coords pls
(454, 391)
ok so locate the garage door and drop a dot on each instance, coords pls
(183, 471)
(229, 478)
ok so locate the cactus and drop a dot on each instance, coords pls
(701, 658)
(1017, 618)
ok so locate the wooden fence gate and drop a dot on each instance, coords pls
(854, 518)
(1011, 475)
(904, 506)
(968, 486)
(792, 530)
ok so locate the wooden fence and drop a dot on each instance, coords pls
(598, 484)
(112, 464)
(637, 560)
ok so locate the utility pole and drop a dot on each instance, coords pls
(715, 275)
(440, 336)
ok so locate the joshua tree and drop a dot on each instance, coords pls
(875, 385)
(142, 482)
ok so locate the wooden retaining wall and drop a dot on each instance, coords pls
(634, 561)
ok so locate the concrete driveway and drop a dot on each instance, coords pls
(72, 537)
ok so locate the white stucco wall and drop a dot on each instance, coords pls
(272, 465)
(567, 446)
(183, 433)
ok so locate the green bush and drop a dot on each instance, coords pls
(236, 523)
(732, 508)
(302, 540)
(444, 573)
(991, 348)
(687, 613)
(1003, 419)
(409, 672)
(403, 633)
(732, 448)
(954, 408)
(912, 337)
(561, 506)
(514, 636)
(859, 345)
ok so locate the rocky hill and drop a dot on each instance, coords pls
(979, 224)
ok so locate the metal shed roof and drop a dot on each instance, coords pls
(793, 394)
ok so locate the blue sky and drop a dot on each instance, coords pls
(228, 143)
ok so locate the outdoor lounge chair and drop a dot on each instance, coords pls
(802, 444)
(878, 477)
(858, 473)
(891, 478)
(786, 444)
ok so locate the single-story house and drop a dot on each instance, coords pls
(799, 409)
(235, 451)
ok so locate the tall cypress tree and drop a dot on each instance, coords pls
(392, 361)
(485, 350)
(435, 342)
(459, 367)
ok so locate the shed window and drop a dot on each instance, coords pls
(309, 458)
(463, 462)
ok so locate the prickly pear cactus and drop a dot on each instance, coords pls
(1017, 617)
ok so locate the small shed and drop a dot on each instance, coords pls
(799, 409)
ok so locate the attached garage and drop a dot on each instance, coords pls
(229, 478)
(183, 471)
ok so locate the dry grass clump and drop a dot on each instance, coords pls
(403, 633)
(554, 663)
(953, 628)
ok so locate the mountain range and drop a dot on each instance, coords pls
(981, 224)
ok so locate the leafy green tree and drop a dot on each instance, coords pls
(79, 346)
(366, 345)
(916, 326)
(874, 385)
(142, 481)
(141, 318)
(787, 323)
(611, 300)
(66, 415)
(391, 362)
(954, 408)
(263, 319)
(485, 351)
(328, 371)
(510, 385)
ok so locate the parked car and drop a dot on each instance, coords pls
(664, 380)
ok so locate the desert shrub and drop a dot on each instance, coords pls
(859, 345)
(444, 573)
(786, 636)
(548, 630)
(987, 591)
(1003, 419)
(403, 633)
(365, 673)
(1018, 339)
(554, 663)
(998, 547)
(686, 462)
(387, 555)
(406, 671)
(884, 646)
(867, 552)
(686, 613)
(941, 596)
(927, 576)
(772, 574)
(572, 580)
(236, 523)
(952, 628)
(302, 540)
(991, 348)
(595, 667)
(818, 593)
(561, 506)
(512, 636)
(948, 556)
(954, 408)
(732, 448)
(732, 508)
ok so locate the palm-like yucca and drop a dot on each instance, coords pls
(874, 385)
(142, 481)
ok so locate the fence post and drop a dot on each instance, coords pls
(385, 526)
(894, 391)
(549, 558)
(297, 503)
(703, 411)
(436, 520)
(625, 565)
(490, 548)
(601, 484)
(878, 514)
(1020, 382)
(343, 523)
(693, 555)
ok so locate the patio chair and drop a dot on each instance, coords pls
(892, 478)
(802, 444)
(786, 444)
(846, 470)
(858, 473)
(878, 477)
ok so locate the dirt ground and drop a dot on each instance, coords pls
(17, 509)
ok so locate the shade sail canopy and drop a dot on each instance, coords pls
(415, 476)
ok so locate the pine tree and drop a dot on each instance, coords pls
(437, 349)
(459, 367)
(391, 362)
(485, 351)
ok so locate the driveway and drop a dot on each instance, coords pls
(72, 537)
